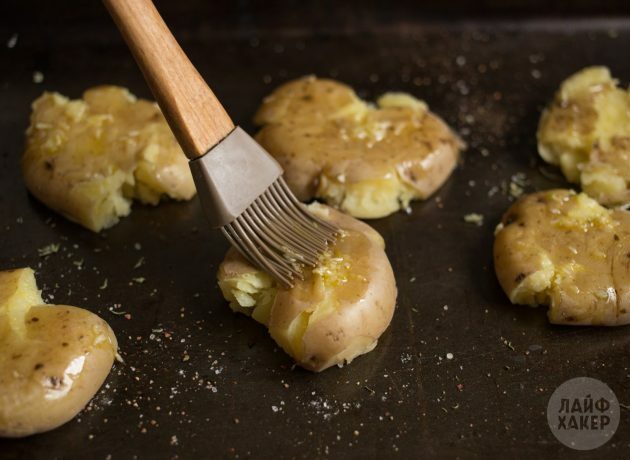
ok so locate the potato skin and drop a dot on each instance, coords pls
(324, 321)
(562, 249)
(367, 161)
(51, 374)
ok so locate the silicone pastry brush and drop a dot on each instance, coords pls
(239, 184)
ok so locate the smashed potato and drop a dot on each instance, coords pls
(367, 161)
(586, 131)
(88, 158)
(53, 358)
(336, 313)
(563, 249)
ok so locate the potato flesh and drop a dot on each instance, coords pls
(564, 250)
(52, 363)
(88, 158)
(251, 293)
(336, 313)
(586, 131)
(18, 293)
(367, 161)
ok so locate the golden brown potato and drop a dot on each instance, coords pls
(88, 158)
(563, 249)
(364, 160)
(337, 312)
(586, 131)
(53, 358)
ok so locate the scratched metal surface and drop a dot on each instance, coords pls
(237, 395)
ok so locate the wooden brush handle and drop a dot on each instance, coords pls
(193, 112)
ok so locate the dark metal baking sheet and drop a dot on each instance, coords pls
(237, 395)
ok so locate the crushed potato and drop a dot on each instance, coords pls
(336, 313)
(586, 131)
(366, 160)
(89, 158)
(53, 358)
(564, 250)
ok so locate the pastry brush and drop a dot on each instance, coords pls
(240, 186)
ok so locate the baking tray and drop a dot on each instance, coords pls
(201, 382)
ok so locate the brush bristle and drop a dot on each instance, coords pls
(279, 235)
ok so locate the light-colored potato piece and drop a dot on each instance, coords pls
(367, 161)
(340, 309)
(586, 131)
(18, 293)
(88, 158)
(564, 250)
(53, 358)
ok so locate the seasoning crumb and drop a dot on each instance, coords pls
(474, 218)
(48, 250)
(367, 388)
(174, 441)
(518, 182)
(515, 190)
(115, 310)
(104, 285)
(139, 263)
(508, 344)
(12, 41)
(449, 356)
(139, 280)
(38, 77)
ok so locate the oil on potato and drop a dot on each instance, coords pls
(564, 250)
(367, 161)
(89, 158)
(586, 131)
(337, 312)
(53, 358)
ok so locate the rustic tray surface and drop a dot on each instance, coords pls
(236, 394)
